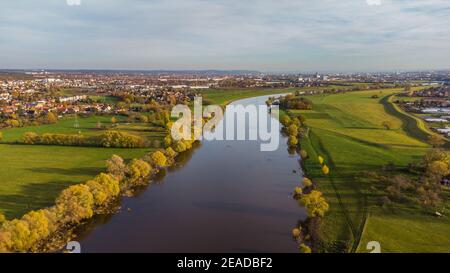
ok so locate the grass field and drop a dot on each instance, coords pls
(347, 130)
(87, 126)
(31, 176)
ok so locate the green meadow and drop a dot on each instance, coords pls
(31, 176)
(348, 131)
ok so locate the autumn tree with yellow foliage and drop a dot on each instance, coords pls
(315, 204)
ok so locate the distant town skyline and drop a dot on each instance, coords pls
(263, 35)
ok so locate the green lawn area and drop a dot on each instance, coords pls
(87, 126)
(31, 176)
(346, 129)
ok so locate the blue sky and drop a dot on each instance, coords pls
(282, 35)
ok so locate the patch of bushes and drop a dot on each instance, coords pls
(109, 139)
(315, 204)
(297, 103)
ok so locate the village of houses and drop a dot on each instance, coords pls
(86, 93)
(433, 106)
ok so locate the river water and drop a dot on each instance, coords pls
(228, 197)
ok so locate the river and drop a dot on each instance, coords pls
(228, 197)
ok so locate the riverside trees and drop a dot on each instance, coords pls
(315, 204)
(79, 202)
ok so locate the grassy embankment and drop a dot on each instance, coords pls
(31, 176)
(347, 130)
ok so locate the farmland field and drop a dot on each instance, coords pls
(348, 131)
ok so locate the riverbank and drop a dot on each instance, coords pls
(347, 131)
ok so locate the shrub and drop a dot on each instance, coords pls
(104, 188)
(307, 182)
(439, 168)
(296, 232)
(303, 154)
(51, 118)
(302, 132)
(158, 159)
(75, 204)
(315, 203)
(296, 122)
(285, 120)
(292, 141)
(39, 226)
(179, 147)
(138, 169)
(30, 138)
(304, 249)
(292, 102)
(171, 153)
(298, 191)
(436, 140)
(321, 160)
(117, 139)
(15, 236)
(188, 143)
(20, 235)
(116, 166)
(167, 141)
(112, 139)
(292, 130)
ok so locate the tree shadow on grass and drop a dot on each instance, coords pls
(32, 196)
(35, 196)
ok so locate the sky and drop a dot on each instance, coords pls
(264, 35)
